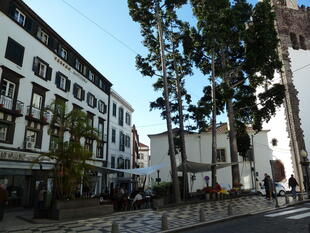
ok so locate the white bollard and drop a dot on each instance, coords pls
(229, 209)
(287, 200)
(115, 228)
(202, 217)
(164, 222)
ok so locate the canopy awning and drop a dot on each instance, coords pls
(140, 171)
(195, 167)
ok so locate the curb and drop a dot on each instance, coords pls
(201, 224)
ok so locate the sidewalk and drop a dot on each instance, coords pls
(150, 220)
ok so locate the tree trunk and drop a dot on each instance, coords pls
(182, 135)
(214, 143)
(233, 142)
(174, 174)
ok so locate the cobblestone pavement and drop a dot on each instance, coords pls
(150, 220)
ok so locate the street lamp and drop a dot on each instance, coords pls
(305, 163)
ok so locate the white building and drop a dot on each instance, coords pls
(143, 160)
(120, 140)
(37, 66)
(199, 149)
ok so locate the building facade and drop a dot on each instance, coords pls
(120, 141)
(37, 67)
(143, 160)
(292, 24)
(199, 149)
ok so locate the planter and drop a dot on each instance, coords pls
(158, 203)
(73, 209)
(208, 196)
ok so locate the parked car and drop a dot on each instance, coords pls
(280, 190)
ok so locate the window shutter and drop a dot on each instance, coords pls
(28, 24)
(12, 10)
(35, 65)
(95, 103)
(39, 140)
(50, 42)
(88, 99)
(83, 94)
(57, 79)
(104, 108)
(68, 83)
(49, 73)
(74, 90)
(15, 52)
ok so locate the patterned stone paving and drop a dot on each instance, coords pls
(150, 221)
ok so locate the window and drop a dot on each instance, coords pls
(78, 65)
(14, 52)
(99, 151)
(91, 76)
(4, 128)
(62, 82)
(54, 143)
(41, 68)
(274, 142)
(91, 100)
(127, 120)
(294, 41)
(120, 163)
(43, 36)
(78, 92)
(112, 162)
(33, 139)
(121, 141)
(127, 141)
(89, 144)
(37, 101)
(90, 119)
(302, 42)
(8, 89)
(220, 155)
(19, 17)
(64, 53)
(114, 109)
(113, 135)
(121, 116)
(101, 129)
(102, 107)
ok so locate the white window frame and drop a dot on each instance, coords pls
(17, 16)
(36, 97)
(91, 100)
(4, 132)
(217, 155)
(78, 65)
(79, 92)
(9, 84)
(101, 106)
(64, 53)
(62, 82)
(91, 76)
(42, 69)
(44, 37)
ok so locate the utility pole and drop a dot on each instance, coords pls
(214, 143)
(174, 174)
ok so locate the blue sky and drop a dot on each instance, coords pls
(113, 59)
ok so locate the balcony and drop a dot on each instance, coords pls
(7, 105)
(39, 115)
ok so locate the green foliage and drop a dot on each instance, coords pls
(71, 156)
(162, 189)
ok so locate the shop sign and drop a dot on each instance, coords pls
(12, 155)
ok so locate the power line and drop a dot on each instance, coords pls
(100, 27)
(301, 68)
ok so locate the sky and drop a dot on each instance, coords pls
(110, 43)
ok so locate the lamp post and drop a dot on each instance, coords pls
(305, 164)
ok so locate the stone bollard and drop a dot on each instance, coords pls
(202, 217)
(164, 222)
(300, 197)
(309, 228)
(287, 200)
(229, 209)
(115, 228)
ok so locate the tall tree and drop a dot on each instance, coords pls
(245, 43)
(155, 18)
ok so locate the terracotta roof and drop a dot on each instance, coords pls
(142, 145)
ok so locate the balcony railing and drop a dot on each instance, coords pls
(8, 103)
(39, 114)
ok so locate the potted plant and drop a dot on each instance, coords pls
(1, 105)
(161, 192)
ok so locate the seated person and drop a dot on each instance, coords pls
(137, 201)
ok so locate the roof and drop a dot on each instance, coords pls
(222, 128)
(174, 131)
(122, 100)
(142, 145)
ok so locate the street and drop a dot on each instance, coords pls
(288, 220)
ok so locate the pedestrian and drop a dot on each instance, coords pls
(292, 183)
(267, 186)
(3, 200)
(271, 187)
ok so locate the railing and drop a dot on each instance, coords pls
(6, 102)
(34, 112)
(19, 107)
(47, 116)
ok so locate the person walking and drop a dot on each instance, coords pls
(267, 186)
(292, 183)
(3, 200)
